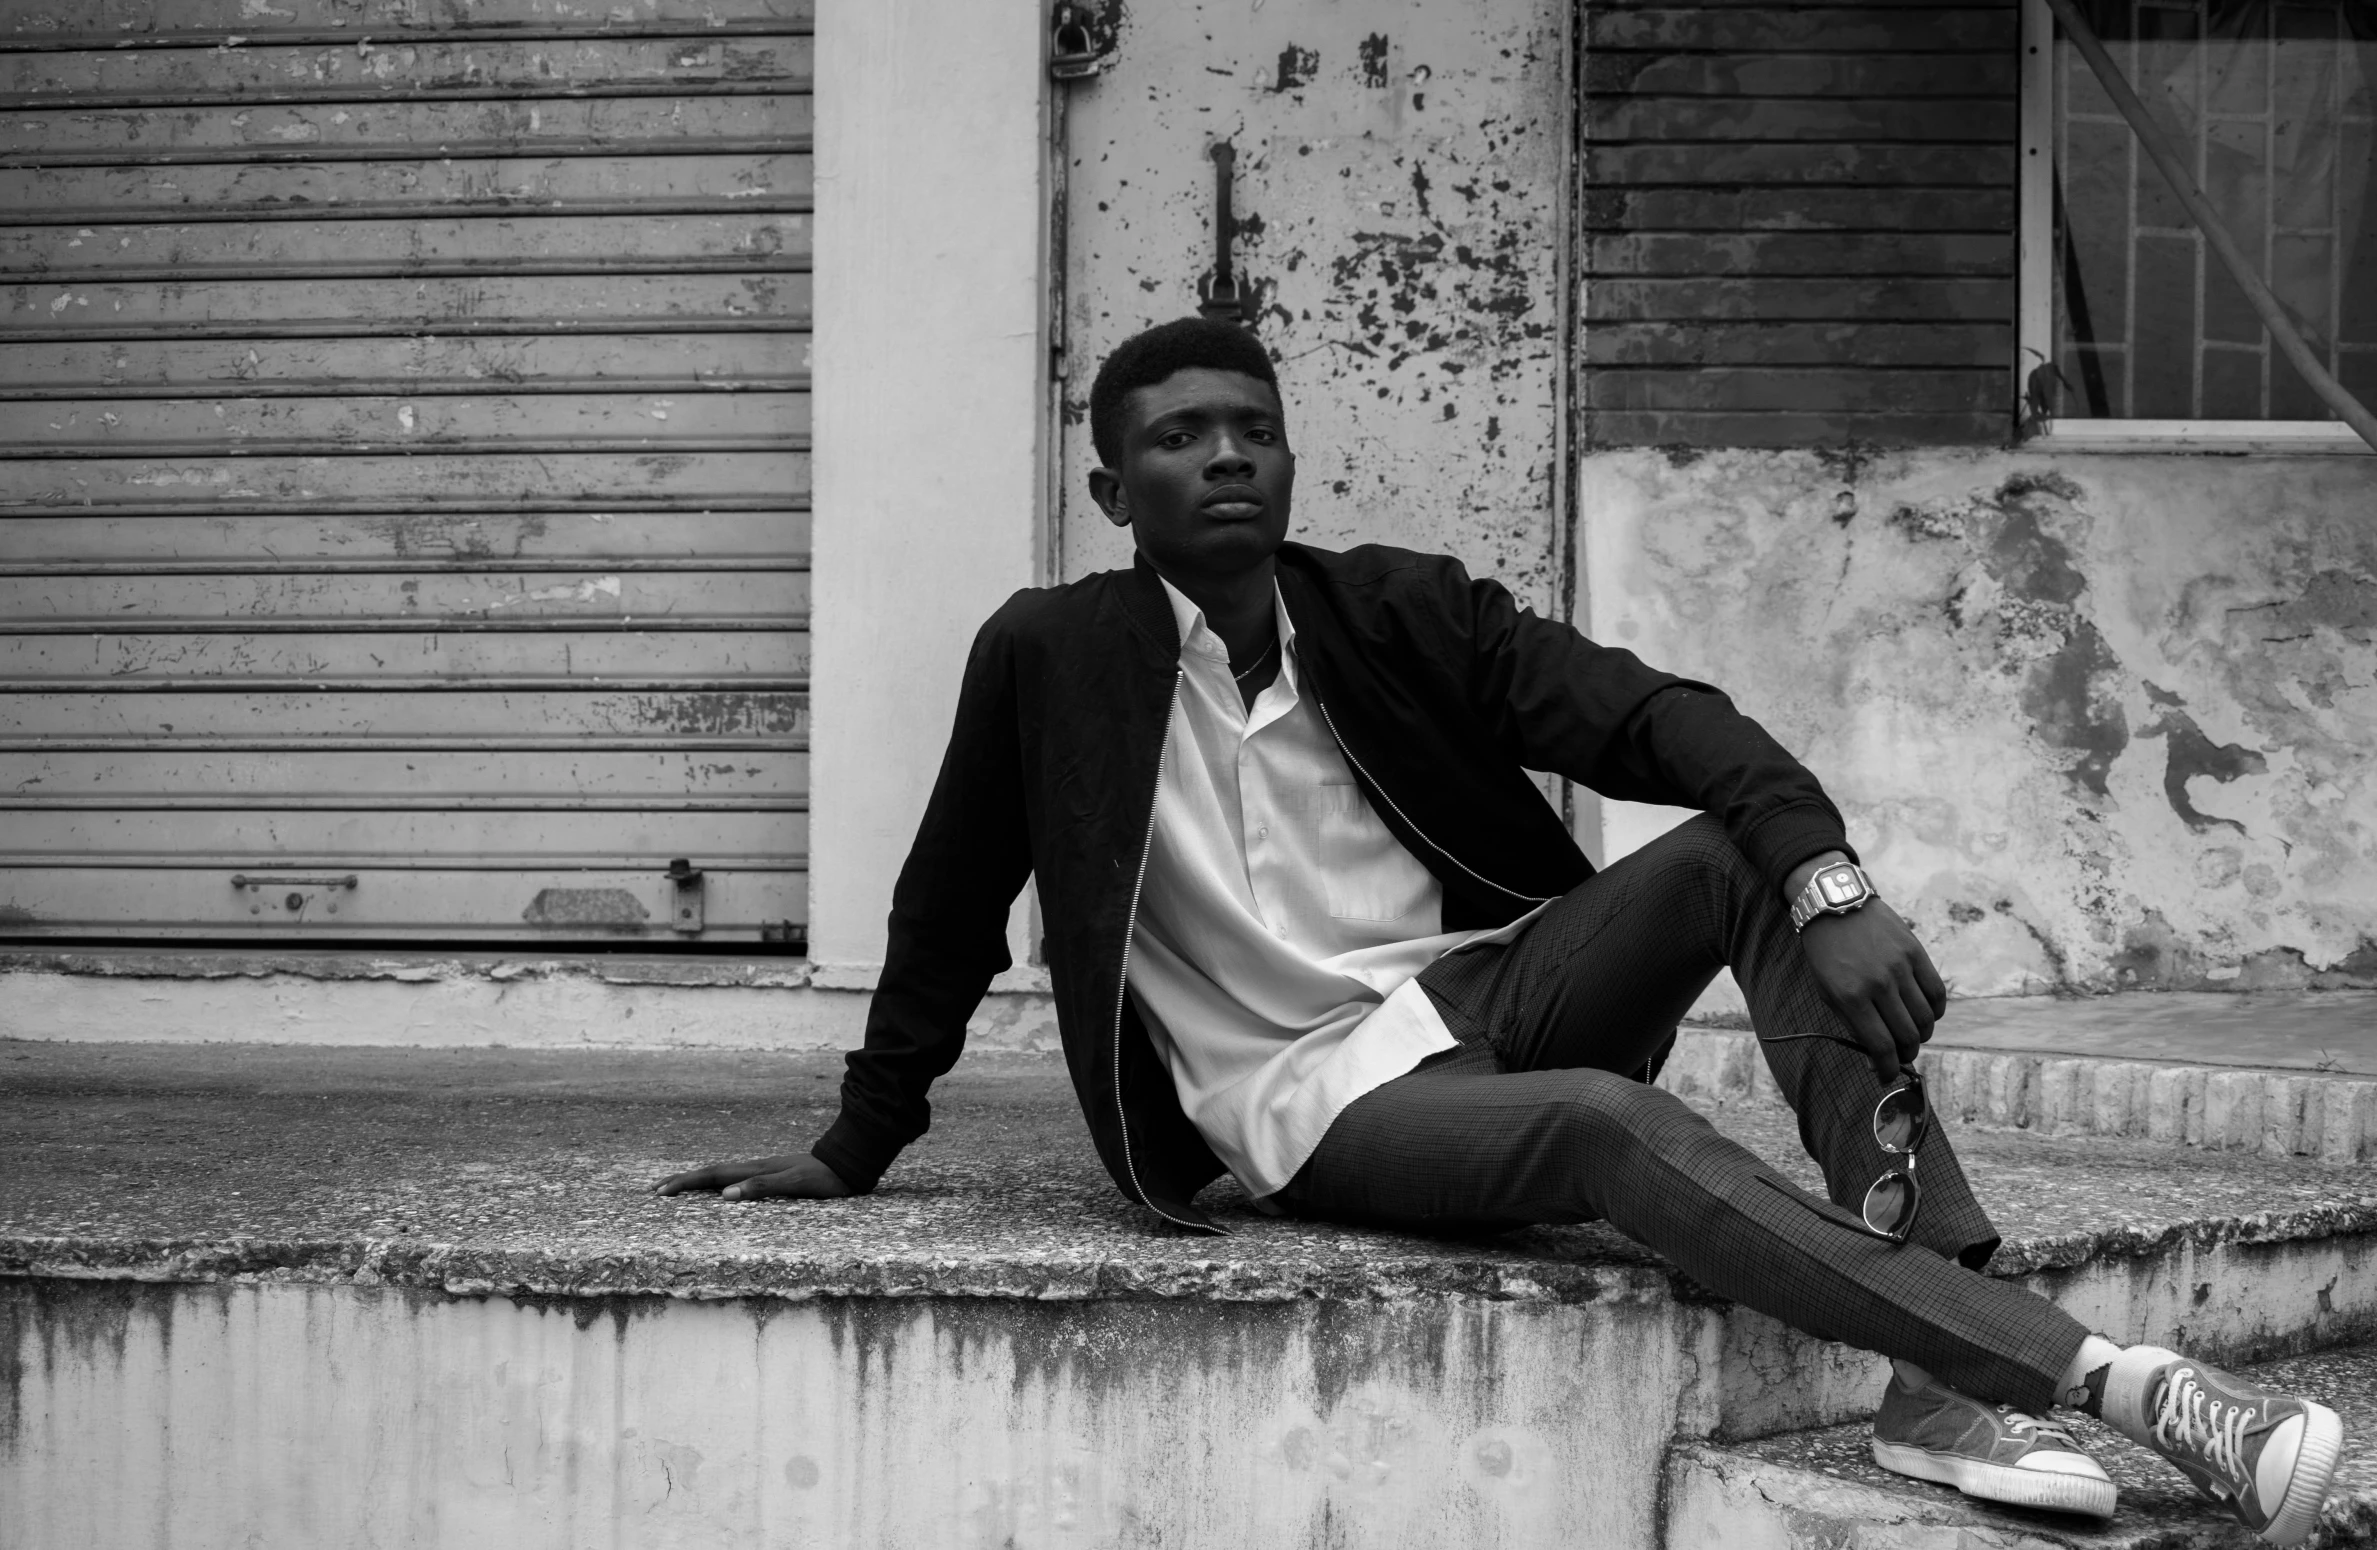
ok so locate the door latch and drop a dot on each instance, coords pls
(1221, 293)
(685, 907)
(1080, 43)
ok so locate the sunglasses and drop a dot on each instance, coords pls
(1901, 1119)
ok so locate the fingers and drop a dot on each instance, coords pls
(1927, 980)
(719, 1175)
(1873, 1035)
(806, 1179)
(1897, 1004)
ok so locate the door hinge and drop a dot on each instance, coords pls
(1080, 42)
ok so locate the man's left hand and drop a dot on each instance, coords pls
(1881, 981)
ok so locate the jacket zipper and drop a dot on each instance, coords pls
(1122, 983)
(1331, 724)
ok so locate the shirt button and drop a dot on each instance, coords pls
(1262, 831)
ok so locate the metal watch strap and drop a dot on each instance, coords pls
(1811, 902)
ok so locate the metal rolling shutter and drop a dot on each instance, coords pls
(404, 469)
(1798, 223)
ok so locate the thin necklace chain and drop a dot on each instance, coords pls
(1257, 662)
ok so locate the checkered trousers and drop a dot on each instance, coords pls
(1544, 1115)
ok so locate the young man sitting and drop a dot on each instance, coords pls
(1309, 920)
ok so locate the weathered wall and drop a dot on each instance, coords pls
(310, 1415)
(2098, 723)
(1399, 168)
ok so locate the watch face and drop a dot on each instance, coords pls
(1838, 885)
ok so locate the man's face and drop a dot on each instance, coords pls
(1206, 475)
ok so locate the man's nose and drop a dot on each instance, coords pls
(1229, 460)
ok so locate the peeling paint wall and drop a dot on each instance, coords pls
(1398, 168)
(2098, 723)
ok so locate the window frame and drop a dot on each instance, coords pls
(2034, 265)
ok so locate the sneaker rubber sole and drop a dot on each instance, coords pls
(2017, 1487)
(2306, 1489)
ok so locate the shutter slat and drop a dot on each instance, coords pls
(383, 661)
(410, 779)
(757, 422)
(428, 482)
(1823, 29)
(1931, 343)
(447, 840)
(680, 303)
(173, 78)
(1798, 253)
(189, 23)
(411, 363)
(465, 540)
(1816, 75)
(443, 188)
(561, 900)
(387, 600)
(395, 131)
(587, 718)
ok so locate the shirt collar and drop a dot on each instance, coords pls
(1198, 637)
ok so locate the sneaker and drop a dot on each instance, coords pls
(1994, 1452)
(2266, 1456)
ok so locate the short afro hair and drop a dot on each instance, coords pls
(1145, 359)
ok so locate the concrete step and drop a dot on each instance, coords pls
(440, 1273)
(1821, 1490)
(2280, 1111)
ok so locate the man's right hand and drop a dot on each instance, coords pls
(798, 1176)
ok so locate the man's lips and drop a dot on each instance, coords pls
(1233, 500)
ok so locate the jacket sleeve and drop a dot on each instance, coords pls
(948, 934)
(1600, 716)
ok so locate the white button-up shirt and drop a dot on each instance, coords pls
(1280, 924)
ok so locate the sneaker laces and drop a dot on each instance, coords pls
(2031, 1426)
(2190, 1418)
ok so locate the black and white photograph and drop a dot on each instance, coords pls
(1188, 774)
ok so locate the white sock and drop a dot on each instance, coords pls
(2072, 1388)
(1909, 1374)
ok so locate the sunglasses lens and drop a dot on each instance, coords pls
(1898, 1119)
(1890, 1204)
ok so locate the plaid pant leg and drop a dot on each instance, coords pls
(1604, 975)
(1460, 1143)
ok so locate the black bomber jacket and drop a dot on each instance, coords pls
(1441, 691)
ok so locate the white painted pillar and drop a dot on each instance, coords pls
(929, 363)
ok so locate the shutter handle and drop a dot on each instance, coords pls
(685, 908)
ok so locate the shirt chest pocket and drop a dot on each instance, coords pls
(1365, 869)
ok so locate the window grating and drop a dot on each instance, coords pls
(2272, 105)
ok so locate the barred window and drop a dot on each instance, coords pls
(2270, 103)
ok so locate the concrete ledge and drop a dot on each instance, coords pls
(429, 1001)
(2277, 1113)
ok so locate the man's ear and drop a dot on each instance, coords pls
(1105, 487)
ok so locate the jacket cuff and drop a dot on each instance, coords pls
(1797, 833)
(857, 1160)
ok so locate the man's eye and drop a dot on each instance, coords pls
(1175, 440)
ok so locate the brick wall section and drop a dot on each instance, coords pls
(1798, 223)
